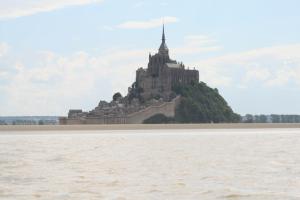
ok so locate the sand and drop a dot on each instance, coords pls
(5, 128)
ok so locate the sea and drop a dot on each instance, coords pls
(256, 164)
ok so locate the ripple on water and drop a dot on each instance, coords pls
(196, 165)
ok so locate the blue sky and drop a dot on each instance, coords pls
(61, 54)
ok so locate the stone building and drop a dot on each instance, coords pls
(162, 74)
(150, 94)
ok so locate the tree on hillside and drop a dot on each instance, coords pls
(117, 96)
(202, 104)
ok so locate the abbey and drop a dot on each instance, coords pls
(162, 74)
(149, 95)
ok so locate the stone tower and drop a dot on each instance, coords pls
(162, 74)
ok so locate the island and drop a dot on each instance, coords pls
(165, 92)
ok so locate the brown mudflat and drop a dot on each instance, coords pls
(143, 127)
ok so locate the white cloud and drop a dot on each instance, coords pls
(195, 44)
(4, 47)
(3, 74)
(152, 23)
(19, 8)
(281, 53)
(52, 83)
(254, 73)
(214, 76)
(283, 76)
(269, 67)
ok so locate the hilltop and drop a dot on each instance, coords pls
(199, 104)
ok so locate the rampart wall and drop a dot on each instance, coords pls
(166, 108)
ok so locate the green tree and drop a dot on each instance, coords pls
(249, 118)
(275, 118)
(117, 96)
(202, 104)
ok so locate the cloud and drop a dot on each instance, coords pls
(213, 75)
(4, 48)
(51, 84)
(195, 44)
(283, 53)
(152, 23)
(266, 67)
(284, 75)
(3, 74)
(257, 73)
(19, 8)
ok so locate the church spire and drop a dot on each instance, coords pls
(163, 34)
(163, 49)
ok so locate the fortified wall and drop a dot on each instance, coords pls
(165, 108)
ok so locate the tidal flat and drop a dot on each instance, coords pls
(150, 164)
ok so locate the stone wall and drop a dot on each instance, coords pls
(166, 108)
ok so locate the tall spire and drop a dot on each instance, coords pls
(163, 49)
(163, 34)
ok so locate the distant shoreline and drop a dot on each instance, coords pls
(4, 128)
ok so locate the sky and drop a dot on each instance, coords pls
(57, 55)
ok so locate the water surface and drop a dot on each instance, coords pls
(141, 165)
